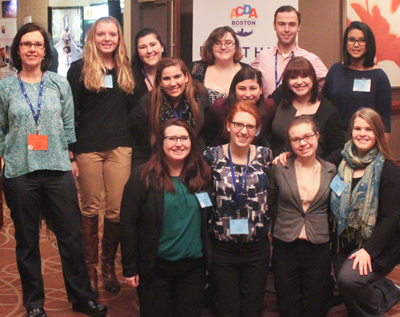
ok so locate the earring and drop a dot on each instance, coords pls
(161, 88)
(186, 84)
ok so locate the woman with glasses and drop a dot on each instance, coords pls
(240, 223)
(149, 49)
(298, 196)
(357, 82)
(101, 82)
(165, 244)
(36, 126)
(366, 213)
(175, 95)
(246, 86)
(301, 97)
(219, 62)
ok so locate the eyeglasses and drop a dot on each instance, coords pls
(353, 41)
(174, 139)
(27, 45)
(240, 126)
(306, 138)
(227, 44)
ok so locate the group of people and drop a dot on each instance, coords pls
(192, 192)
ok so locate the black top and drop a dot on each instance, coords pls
(138, 92)
(142, 214)
(101, 117)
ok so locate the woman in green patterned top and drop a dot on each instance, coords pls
(36, 126)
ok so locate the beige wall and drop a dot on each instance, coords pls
(37, 9)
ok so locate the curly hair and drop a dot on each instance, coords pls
(94, 69)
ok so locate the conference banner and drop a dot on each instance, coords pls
(252, 21)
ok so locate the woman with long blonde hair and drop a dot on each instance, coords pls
(100, 83)
(175, 95)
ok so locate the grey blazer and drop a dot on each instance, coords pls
(286, 207)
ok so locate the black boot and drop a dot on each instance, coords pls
(90, 308)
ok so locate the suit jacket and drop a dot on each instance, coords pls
(142, 214)
(284, 200)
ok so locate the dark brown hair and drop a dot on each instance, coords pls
(298, 66)
(27, 28)
(195, 174)
(207, 51)
(287, 8)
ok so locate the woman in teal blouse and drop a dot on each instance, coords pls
(36, 126)
(165, 244)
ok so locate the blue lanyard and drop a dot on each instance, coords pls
(277, 82)
(35, 115)
(238, 194)
(176, 114)
(147, 77)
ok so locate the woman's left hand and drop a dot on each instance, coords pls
(363, 259)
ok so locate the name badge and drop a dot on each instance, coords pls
(239, 226)
(338, 185)
(362, 85)
(108, 81)
(37, 142)
(204, 199)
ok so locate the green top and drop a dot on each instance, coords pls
(181, 230)
(16, 123)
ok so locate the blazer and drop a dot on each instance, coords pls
(141, 217)
(284, 200)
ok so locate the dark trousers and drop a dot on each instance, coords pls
(364, 295)
(301, 273)
(25, 195)
(175, 290)
(238, 277)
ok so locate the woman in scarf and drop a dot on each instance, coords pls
(365, 202)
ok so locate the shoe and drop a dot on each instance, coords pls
(110, 242)
(90, 308)
(36, 312)
(90, 230)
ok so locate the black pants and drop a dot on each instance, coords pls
(175, 290)
(301, 273)
(25, 195)
(238, 277)
(364, 295)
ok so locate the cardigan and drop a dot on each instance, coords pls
(284, 200)
(141, 217)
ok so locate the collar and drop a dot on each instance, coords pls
(276, 49)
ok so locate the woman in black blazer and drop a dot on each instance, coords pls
(165, 245)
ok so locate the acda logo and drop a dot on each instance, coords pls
(243, 20)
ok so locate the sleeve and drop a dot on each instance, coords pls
(131, 208)
(138, 120)
(208, 156)
(383, 102)
(334, 140)
(67, 106)
(3, 121)
(256, 64)
(74, 79)
(320, 70)
(388, 210)
(326, 89)
(273, 191)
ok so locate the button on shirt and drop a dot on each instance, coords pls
(265, 63)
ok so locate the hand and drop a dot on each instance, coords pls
(282, 158)
(132, 281)
(363, 259)
(75, 170)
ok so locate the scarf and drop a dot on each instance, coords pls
(167, 113)
(356, 210)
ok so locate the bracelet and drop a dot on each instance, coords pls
(72, 159)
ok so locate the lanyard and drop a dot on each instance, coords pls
(277, 82)
(238, 194)
(35, 115)
(176, 114)
(147, 77)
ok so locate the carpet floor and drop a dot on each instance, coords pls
(123, 304)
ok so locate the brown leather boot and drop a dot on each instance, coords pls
(110, 242)
(90, 237)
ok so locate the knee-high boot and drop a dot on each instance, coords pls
(110, 242)
(90, 237)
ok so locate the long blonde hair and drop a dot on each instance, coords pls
(94, 69)
(375, 122)
(159, 98)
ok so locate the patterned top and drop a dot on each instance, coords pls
(254, 206)
(16, 123)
